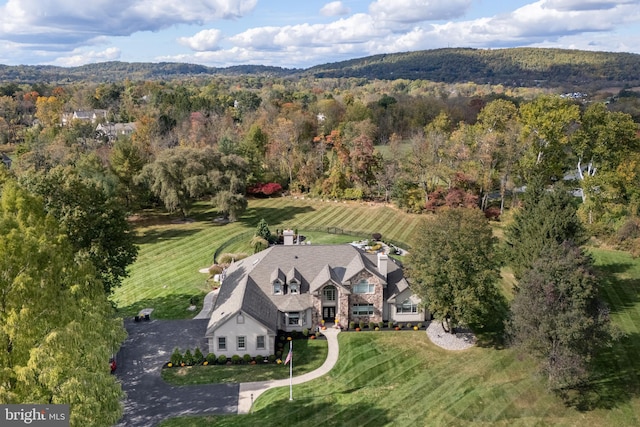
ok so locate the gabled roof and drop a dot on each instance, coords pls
(248, 284)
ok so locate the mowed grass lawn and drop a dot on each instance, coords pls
(394, 378)
(165, 276)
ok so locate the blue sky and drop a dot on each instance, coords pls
(302, 33)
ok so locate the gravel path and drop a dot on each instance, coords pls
(461, 340)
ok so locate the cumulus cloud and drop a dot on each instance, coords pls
(202, 41)
(81, 57)
(335, 8)
(74, 21)
(410, 11)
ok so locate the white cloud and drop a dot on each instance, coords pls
(74, 22)
(202, 41)
(81, 57)
(411, 11)
(535, 24)
(582, 5)
(335, 8)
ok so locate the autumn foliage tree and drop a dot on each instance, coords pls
(57, 328)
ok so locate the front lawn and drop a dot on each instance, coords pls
(308, 355)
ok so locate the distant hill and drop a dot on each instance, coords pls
(118, 71)
(509, 67)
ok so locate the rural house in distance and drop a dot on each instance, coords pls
(291, 287)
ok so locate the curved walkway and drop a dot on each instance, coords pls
(249, 392)
(207, 305)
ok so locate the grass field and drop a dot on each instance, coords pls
(397, 378)
(165, 275)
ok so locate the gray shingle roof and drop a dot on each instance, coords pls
(248, 284)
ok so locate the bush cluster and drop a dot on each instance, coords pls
(196, 357)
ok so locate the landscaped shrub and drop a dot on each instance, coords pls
(305, 332)
(390, 324)
(409, 326)
(272, 358)
(176, 357)
(211, 358)
(198, 357)
(246, 358)
(215, 269)
(376, 236)
(372, 325)
(188, 358)
(236, 359)
(361, 324)
(352, 325)
(419, 325)
(380, 325)
(222, 359)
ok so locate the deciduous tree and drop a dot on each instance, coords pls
(57, 329)
(453, 268)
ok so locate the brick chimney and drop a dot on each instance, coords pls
(383, 259)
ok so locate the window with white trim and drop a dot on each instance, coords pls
(329, 293)
(277, 288)
(407, 307)
(222, 343)
(363, 287)
(260, 342)
(241, 343)
(293, 288)
(294, 318)
(362, 309)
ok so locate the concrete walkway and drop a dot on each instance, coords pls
(207, 305)
(249, 392)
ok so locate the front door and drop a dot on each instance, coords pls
(329, 314)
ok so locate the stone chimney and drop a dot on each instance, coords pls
(383, 259)
(288, 237)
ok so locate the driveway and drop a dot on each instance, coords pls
(149, 399)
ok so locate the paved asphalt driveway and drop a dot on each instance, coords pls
(149, 399)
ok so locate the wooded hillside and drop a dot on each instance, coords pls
(510, 67)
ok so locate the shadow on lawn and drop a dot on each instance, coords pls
(252, 216)
(619, 293)
(156, 235)
(313, 411)
(616, 378)
(173, 306)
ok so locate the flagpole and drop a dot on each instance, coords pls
(291, 370)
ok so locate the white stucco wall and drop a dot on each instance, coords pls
(250, 329)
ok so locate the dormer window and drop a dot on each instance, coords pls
(294, 288)
(277, 288)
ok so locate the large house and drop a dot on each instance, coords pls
(292, 287)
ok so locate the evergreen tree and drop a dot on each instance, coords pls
(262, 230)
(547, 218)
(557, 316)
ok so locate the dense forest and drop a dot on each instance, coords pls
(420, 144)
(567, 69)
